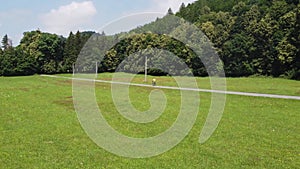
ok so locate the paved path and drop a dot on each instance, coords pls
(187, 89)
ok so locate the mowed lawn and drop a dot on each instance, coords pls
(39, 127)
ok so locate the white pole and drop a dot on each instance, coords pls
(73, 66)
(146, 66)
(96, 69)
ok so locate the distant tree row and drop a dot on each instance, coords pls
(40, 52)
(252, 37)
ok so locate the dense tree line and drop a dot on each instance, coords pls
(252, 37)
(160, 50)
(153, 40)
(40, 52)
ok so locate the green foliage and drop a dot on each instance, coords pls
(252, 37)
(73, 46)
(69, 53)
(5, 42)
(40, 52)
(44, 49)
(8, 62)
(170, 12)
(139, 46)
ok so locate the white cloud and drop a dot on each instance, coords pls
(69, 17)
(164, 5)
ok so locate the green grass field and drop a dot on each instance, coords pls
(39, 127)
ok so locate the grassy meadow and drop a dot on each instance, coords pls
(39, 127)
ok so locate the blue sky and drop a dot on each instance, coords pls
(63, 16)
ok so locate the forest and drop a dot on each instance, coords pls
(252, 38)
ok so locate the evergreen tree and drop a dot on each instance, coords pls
(182, 7)
(69, 53)
(5, 42)
(170, 12)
